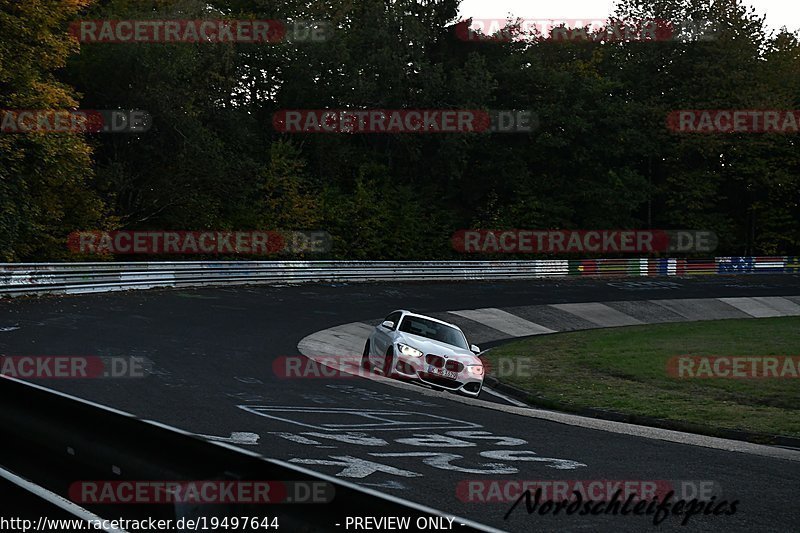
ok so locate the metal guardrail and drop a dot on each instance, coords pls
(75, 278)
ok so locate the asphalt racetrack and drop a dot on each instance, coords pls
(212, 353)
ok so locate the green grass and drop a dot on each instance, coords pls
(624, 370)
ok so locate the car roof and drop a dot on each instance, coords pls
(407, 312)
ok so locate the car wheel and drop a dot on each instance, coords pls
(365, 358)
(387, 363)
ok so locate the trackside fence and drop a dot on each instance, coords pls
(75, 278)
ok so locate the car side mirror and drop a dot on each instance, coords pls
(474, 349)
(388, 324)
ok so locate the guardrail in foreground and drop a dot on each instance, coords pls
(55, 440)
(74, 278)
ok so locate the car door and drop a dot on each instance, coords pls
(382, 338)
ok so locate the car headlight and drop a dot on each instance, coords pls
(405, 349)
(476, 370)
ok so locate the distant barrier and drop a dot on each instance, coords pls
(76, 278)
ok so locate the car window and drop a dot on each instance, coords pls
(433, 330)
(394, 317)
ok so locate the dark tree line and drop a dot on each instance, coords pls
(602, 156)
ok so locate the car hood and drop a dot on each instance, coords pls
(439, 348)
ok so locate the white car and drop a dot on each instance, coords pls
(418, 347)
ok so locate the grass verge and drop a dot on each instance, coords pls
(624, 370)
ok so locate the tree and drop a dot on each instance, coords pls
(45, 179)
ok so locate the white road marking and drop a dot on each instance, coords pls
(526, 455)
(598, 313)
(354, 467)
(360, 439)
(752, 307)
(53, 498)
(503, 321)
(368, 419)
(444, 461)
(486, 435)
(237, 437)
(434, 441)
(512, 401)
(299, 439)
(390, 484)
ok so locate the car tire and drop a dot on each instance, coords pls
(365, 357)
(387, 363)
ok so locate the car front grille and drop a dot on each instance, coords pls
(440, 362)
(434, 360)
(454, 366)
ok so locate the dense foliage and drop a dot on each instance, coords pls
(602, 156)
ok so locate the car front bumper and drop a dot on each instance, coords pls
(416, 368)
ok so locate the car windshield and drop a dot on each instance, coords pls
(433, 330)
